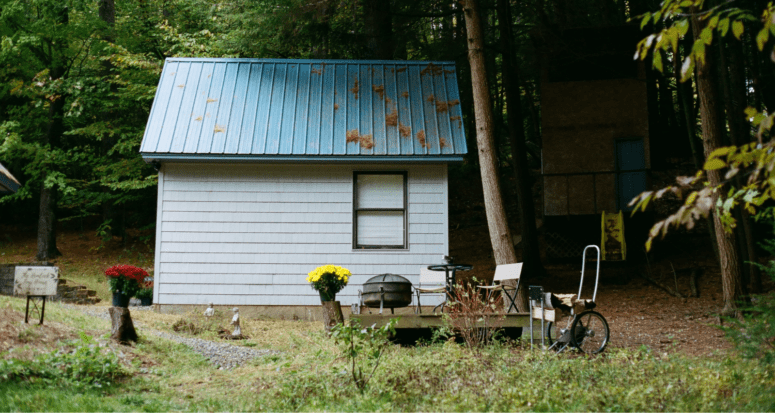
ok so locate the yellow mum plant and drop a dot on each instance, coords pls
(328, 280)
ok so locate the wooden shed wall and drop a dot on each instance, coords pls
(238, 234)
(581, 122)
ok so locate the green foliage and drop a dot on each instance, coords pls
(754, 335)
(363, 347)
(676, 15)
(83, 363)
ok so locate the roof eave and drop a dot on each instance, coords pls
(166, 157)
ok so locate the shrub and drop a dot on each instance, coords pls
(754, 335)
(85, 364)
(364, 347)
(472, 316)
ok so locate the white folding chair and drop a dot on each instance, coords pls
(505, 272)
(431, 282)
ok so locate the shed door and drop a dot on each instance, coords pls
(631, 171)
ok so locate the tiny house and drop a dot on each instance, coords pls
(595, 133)
(270, 168)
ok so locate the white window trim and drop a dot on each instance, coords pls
(405, 210)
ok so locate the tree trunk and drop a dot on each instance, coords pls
(712, 133)
(500, 235)
(107, 13)
(332, 314)
(686, 98)
(531, 257)
(378, 27)
(47, 241)
(739, 134)
(123, 330)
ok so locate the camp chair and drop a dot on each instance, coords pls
(505, 272)
(431, 282)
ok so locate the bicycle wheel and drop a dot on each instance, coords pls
(589, 332)
(551, 333)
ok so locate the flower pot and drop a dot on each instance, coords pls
(146, 301)
(120, 300)
(325, 296)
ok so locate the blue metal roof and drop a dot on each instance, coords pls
(8, 184)
(245, 109)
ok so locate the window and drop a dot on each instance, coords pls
(379, 210)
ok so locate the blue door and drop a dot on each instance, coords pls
(631, 171)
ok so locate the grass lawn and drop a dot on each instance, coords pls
(311, 374)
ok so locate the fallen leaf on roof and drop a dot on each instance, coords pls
(181, 86)
(442, 142)
(366, 142)
(401, 69)
(198, 119)
(404, 130)
(380, 90)
(421, 139)
(210, 100)
(431, 69)
(336, 106)
(355, 89)
(391, 119)
(405, 94)
(219, 128)
(430, 98)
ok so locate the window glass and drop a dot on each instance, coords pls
(379, 215)
(380, 191)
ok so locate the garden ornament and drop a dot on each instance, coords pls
(235, 323)
(209, 312)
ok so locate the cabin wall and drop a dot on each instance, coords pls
(581, 122)
(241, 234)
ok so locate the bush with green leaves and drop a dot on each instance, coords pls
(82, 364)
(754, 335)
(364, 347)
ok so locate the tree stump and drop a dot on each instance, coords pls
(332, 314)
(123, 329)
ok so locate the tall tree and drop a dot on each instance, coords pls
(523, 182)
(500, 235)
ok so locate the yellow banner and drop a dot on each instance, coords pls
(613, 246)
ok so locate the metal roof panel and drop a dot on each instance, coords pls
(323, 108)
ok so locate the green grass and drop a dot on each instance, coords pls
(312, 374)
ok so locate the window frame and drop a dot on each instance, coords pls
(356, 209)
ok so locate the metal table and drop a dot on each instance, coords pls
(450, 270)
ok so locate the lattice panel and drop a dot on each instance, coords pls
(563, 246)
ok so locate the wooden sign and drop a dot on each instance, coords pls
(39, 281)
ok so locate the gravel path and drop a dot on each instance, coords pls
(222, 355)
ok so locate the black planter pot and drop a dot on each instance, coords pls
(120, 300)
(146, 301)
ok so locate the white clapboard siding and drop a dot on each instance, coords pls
(244, 234)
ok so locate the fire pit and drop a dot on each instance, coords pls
(387, 291)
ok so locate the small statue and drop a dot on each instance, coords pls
(235, 322)
(209, 312)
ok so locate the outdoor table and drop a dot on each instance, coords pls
(450, 270)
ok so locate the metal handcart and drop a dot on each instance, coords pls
(570, 320)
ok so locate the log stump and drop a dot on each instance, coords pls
(332, 314)
(123, 330)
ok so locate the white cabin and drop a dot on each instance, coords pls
(270, 168)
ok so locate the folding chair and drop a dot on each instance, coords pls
(431, 282)
(505, 272)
